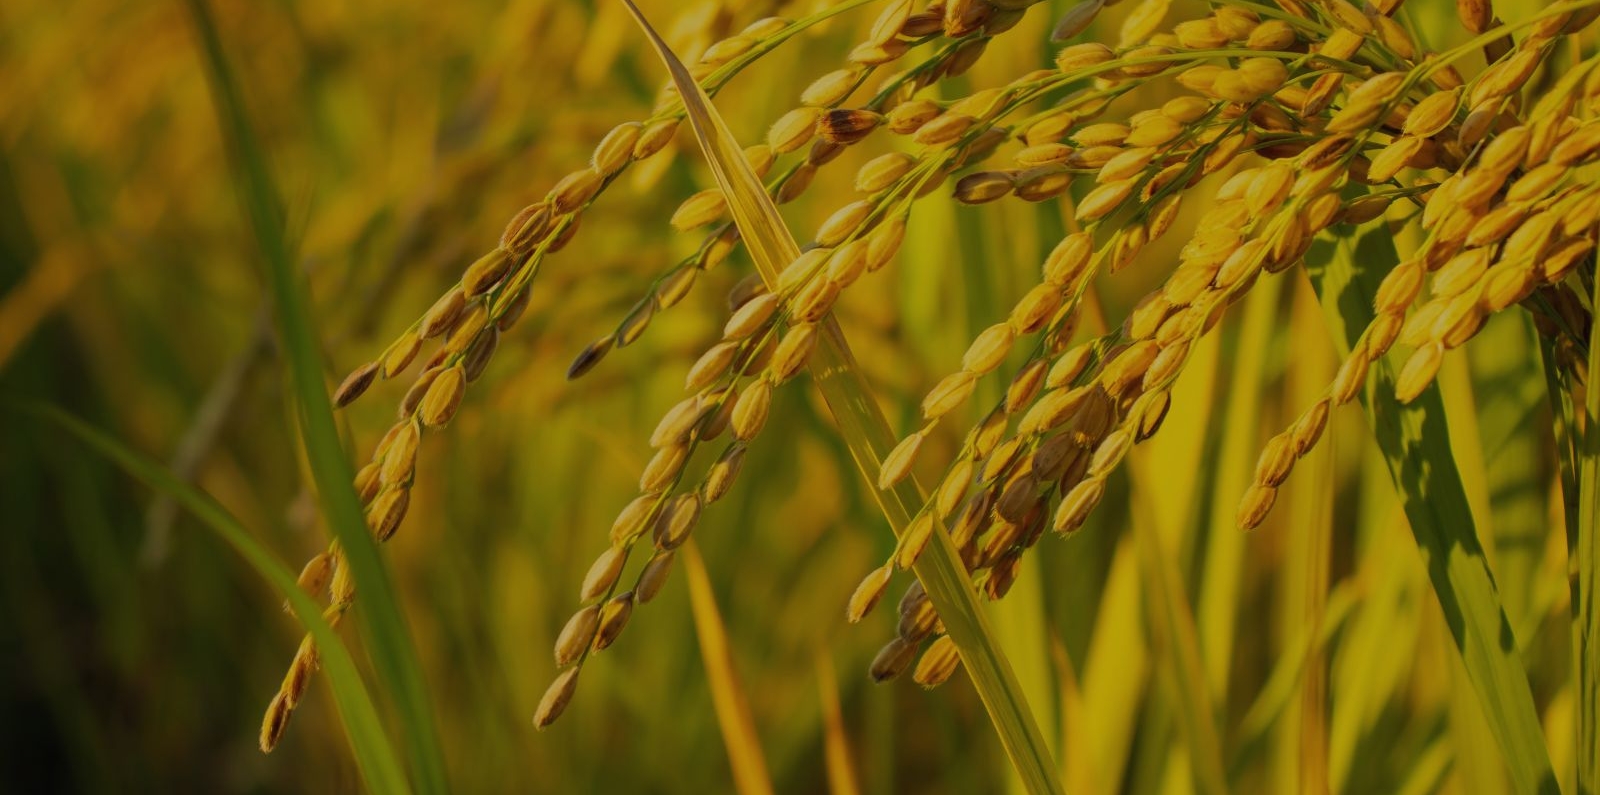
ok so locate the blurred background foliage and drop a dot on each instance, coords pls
(138, 651)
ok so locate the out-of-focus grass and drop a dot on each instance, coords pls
(402, 135)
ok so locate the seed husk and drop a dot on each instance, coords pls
(1076, 20)
(868, 593)
(897, 464)
(940, 661)
(793, 351)
(386, 513)
(654, 575)
(703, 208)
(793, 130)
(576, 635)
(484, 273)
(663, 468)
(556, 697)
(751, 317)
(1255, 505)
(355, 384)
(841, 128)
(750, 412)
(574, 190)
(614, 617)
(443, 397)
(949, 393)
(844, 222)
(882, 171)
(1352, 376)
(442, 316)
(401, 456)
(677, 422)
(1308, 429)
(1078, 504)
(892, 659)
(1418, 372)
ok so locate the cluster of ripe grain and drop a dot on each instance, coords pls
(1071, 414)
(464, 326)
(769, 335)
(1303, 117)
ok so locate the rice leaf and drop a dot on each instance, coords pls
(1345, 272)
(1510, 392)
(869, 437)
(1585, 553)
(1172, 624)
(842, 778)
(392, 652)
(375, 757)
(1116, 672)
(1217, 607)
(749, 765)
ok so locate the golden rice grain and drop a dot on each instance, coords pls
(910, 546)
(274, 722)
(443, 397)
(751, 409)
(614, 617)
(355, 384)
(706, 207)
(1255, 505)
(589, 357)
(1101, 201)
(868, 593)
(1078, 504)
(1308, 428)
(832, 88)
(984, 186)
(844, 222)
(441, 317)
(663, 468)
(615, 150)
(840, 128)
(385, 515)
(556, 697)
(892, 659)
(793, 130)
(576, 635)
(882, 171)
(574, 190)
(677, 520)
(1418, 372)
(938, 663)
(751, 317)
(897, 464)
(989, 349)
(1077, 19)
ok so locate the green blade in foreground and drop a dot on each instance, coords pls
(869, 438)
(1346, 272)
(375, 758)
(1584, 565)
(392, 652)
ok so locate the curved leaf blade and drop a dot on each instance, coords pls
(869, 437)
(1414, 439)
(375, 757)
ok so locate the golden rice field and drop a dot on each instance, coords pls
(844, 396)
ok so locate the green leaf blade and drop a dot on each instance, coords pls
(393, 654)
(1415, 444)
(375, 757)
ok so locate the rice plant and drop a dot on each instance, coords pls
(1120, 342)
